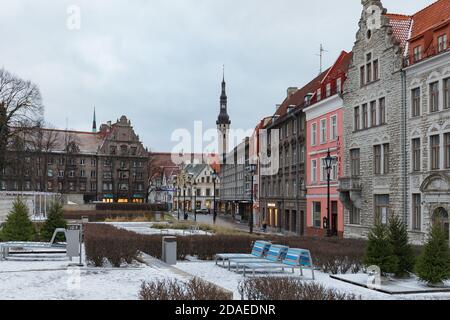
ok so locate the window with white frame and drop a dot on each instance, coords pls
(417, 53)
(323, 131)
(314, 171)
(442, 43)
(319, 94)
(333, 128)
(314, 134)
(328, 92)
(339, 85)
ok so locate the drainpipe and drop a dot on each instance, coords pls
(404, 151)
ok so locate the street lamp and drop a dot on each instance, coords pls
(184, 202)
(178, 201)
(214, 177)
(329, 161)
(251, 169)
(194, 189)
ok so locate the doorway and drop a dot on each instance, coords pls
(440, 216)
(334, 218)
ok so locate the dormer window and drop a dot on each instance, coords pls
(339, 85)
(328, 93)
(442, 43)
(319, 94)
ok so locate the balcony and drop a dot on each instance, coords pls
(350, 189)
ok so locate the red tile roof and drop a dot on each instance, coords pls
(401, 26)
(431, 16)
(297, 99)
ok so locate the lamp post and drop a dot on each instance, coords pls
(178, 201)
(251, 169)
(194, 189)
(329, 161)
(184, 201)
(214, 177)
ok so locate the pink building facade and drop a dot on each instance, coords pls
(324, 125)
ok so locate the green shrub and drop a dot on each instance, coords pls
(55, 219)
(398, 237)
(379, 250)
(18, 226)
(433, 266)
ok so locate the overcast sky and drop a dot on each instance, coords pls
(159, 62)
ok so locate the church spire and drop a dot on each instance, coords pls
(223, 115)
(94, 123)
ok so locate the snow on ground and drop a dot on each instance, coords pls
(54, 280)
(230, 280)
(146, 229)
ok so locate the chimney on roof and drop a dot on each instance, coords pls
(291, 91)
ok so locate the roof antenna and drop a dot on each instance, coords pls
(321, 52)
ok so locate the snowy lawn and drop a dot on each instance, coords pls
(230, 280)
(145, 228)
(54, 280)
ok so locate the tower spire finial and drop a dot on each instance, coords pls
(94, 123)
(223, 72)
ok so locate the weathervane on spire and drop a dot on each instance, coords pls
(321, 52)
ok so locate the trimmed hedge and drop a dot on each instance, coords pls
(192, 290)
(107, 243)
(285, 288)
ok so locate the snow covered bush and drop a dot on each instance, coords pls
(194, 289)
(287, 288)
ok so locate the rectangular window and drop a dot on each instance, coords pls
(434, 97)
(333, 128)
(323, 131)
(319, 94)
(415, 103)
(369, 72)
(373, 113)
(317, 214)
(417, 53)
(416, 154)
(314, 134)
(435, 152)
(382, 111)
(323, 170)
(447, 150)
(416, 212)
(377, 159)
(442, 43)
(386, 158)
(313, 171)
(376, 75)
(93, 186)
(328, 92)
(365, 116)
(356, 121)
(339, 85)
(362, 75)
(382, 208)
(355, 162)
(447, 93)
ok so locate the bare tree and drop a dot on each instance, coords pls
(20, 108)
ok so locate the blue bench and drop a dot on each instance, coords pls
(276, 253)
(259, 250)
(295, 258)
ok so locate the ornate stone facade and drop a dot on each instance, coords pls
(373, 182)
